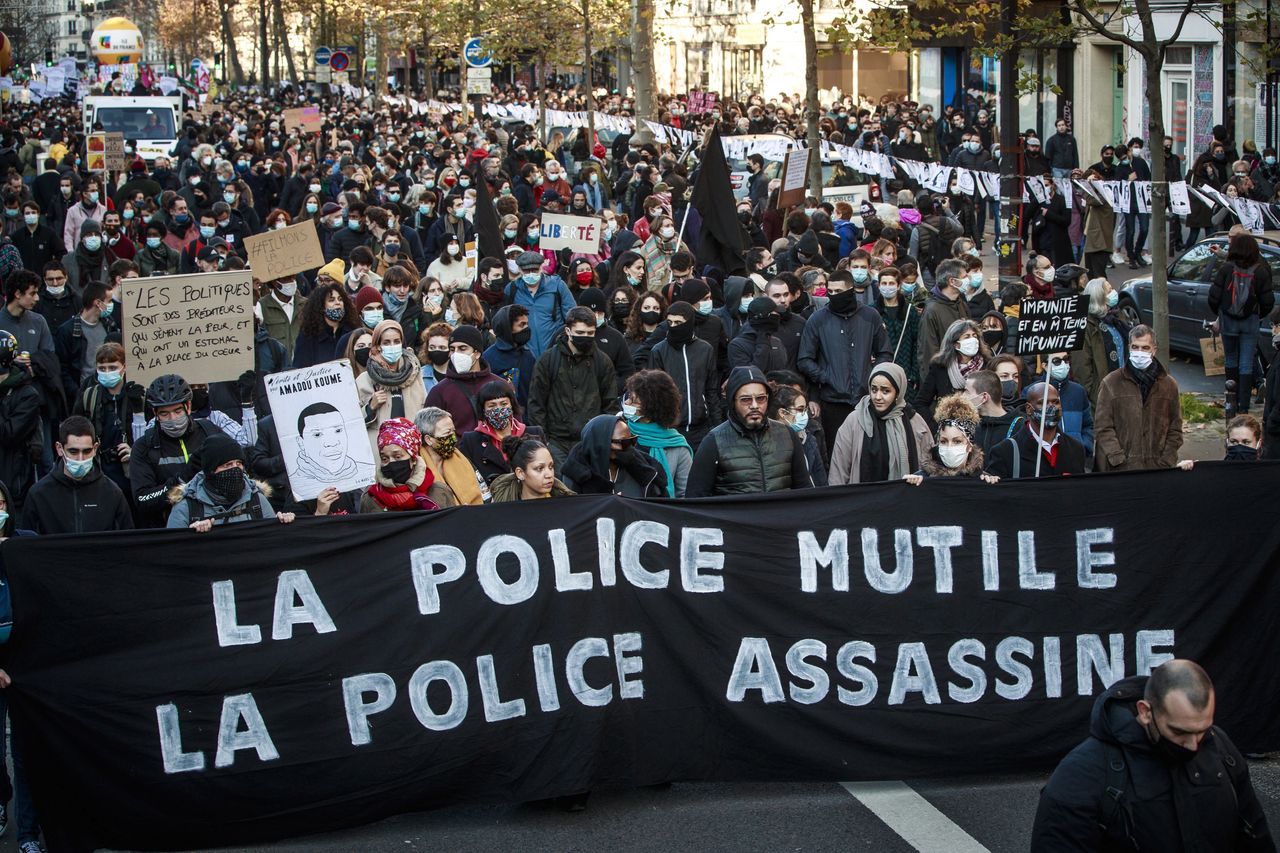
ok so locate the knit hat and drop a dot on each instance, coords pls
(469, 335)
(598, 151)
(694, 291)
(217, 450)
(402, 433)
(760, 307)
(593, 298)
(681, 309)
(335, 269)
(138, 165)
(367, 296)
(89, 226)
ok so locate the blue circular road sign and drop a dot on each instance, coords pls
(476, 54)
(322, 55)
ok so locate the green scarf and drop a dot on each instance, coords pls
(657, 439)
(15, 377)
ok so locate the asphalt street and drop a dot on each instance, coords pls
(931, 816)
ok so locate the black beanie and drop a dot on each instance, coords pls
(760, 307)
(694, 290)
(593, 298)
(218, 450)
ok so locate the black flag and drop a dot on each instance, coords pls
(721, 238)
(488, 232)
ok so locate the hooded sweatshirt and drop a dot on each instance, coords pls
(586, 469)
(508, 360)
(457, 392)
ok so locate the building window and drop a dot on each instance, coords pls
(73, 28)
(1180, 55)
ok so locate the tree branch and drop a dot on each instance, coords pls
(1078, 6)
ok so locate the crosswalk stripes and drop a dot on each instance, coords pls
(914, 818)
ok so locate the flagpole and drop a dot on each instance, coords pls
(1044, 411)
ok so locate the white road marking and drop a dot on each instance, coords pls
(913, 817)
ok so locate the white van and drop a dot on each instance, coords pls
(148, 123)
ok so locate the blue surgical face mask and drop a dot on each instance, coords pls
(704, 307)
(1059, 372)
(745, 304)
(109, 378)
(801, 421)
(354, 225)
(1113, 299)
(391, 353)
(371, 317)
(111, 306)
(629, 411)
(509, 233)
(153, 242)
(77, 468)
(4, 518)
(860, 274)
(908, 287)
(312, 207)
(207, 231)
(531, 277)
(93, 244)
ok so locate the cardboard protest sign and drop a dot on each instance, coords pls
(795, 177)
(105, 152)
(322, 433)
(199, 326)
(1051, 325)
(306, 119)
(286, 251)
(575, 233)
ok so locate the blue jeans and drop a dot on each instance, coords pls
(20, 791)
(1239, 345)
(1132, 246)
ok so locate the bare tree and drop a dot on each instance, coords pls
(811, 98)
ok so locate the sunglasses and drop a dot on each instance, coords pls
(1058, 361)
(624, 443)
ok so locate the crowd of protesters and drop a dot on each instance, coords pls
(844, 346)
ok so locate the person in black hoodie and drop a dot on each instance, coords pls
(706, 325)
(59, 302)
(609, 340)
(606, 461)
(738, 293)
(509, 355)
(19, 421)
(75, 497)
(756, 343)
(690, 362)
(1155, 773)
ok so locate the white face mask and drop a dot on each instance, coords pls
(888, 291)
(461, 361)
(1140, 360)
(953, 456)
(667, 233)
(969, 346)
(1045, 274)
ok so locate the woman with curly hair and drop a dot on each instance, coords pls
(646, 314)
(327, 316)
(465, 310)
(956, 454)
(651, 405)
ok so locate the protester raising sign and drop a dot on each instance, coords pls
(199, 326)
(339, 670)
(316, 413)
(575, 233)
(1051, 325)
(283, 252)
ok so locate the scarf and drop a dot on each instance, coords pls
(399, 375)
(956, 371)
(892, 422)
(394, 497)
(456, 473)
(656, 440)
(517, 429)
(1146, 379)
(308, 467)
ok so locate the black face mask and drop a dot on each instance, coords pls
(621, 310)
(1169, 752)
(1008, 390)
(199, 399)
(362, 356)
(651, 317)
(844, 301)
(225, 486)
(438, 357)
(992, 337)
(1241, 453)
(583, 344)
(398, 472)
(521, 337)
(1052, 414)
(681, 334)
(768, 323)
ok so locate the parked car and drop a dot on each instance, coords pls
(1190, 275)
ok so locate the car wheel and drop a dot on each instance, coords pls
(1129, 312)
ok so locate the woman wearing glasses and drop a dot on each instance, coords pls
(606, 462)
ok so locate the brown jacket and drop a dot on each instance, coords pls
(1133, 435)
(1099, 226)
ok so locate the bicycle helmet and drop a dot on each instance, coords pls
(168, 390)
(8, 349)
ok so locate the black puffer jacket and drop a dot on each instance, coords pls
(1073, 815)
(734, 460)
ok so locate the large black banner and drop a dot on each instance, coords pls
(173, 689)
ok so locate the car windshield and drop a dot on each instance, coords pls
(137, 122)
(1198, 263)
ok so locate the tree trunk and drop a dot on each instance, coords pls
(541, 77)
(642, 64)
(586, 73)
(264, 49)
(811, 98)
(229, 38)
(283, 38)
(1159, 198)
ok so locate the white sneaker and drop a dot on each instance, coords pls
(1146, 259)
(1117, 258)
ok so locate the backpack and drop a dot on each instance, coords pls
(1239, 293)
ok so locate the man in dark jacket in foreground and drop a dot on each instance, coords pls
(748, 453)
(1155, 774)
(572, 383)
(606, 462)
(75, 497)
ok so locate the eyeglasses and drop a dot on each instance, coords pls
(1058, 361)
(623, 443)
(759, 399)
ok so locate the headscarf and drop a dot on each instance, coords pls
(390, 375)
(402, 433)
(893, 420)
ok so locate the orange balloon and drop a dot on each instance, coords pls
(6, 54)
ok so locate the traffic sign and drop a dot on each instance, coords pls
(322, 55)
(323, 74)
(476, 54)
(339, 60)
(479, 81)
